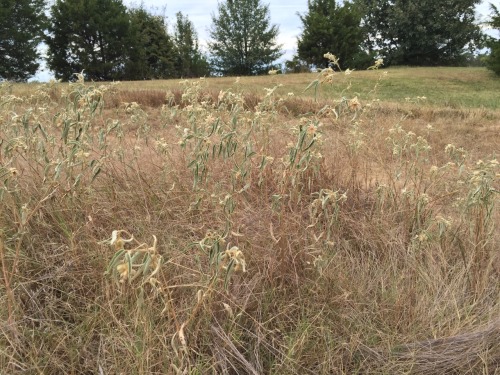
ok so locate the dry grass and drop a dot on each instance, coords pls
(446, 88)
(368, 232)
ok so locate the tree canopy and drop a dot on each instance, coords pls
(21, 29)
(493, 60)
(89, 35)
(424, 32)
(190, 62)
(108, 41)
(330, 27)
(243, 40)
(151, 50)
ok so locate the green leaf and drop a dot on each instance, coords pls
(114, 261)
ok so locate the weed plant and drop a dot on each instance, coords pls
(227, 233)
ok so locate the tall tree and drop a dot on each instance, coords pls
(90, 35)
(493, 60)
(243, 41)
(190, 62)
(150, 50)
(330, 27)
(21, 30)
(424, 32)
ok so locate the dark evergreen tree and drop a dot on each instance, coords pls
(493, 60)
(21, 30)
(89, 35)
(190, 61)
(151, 50)
(243, 40)
(330, 27)
(424, 32)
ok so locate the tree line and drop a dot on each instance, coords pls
(103, 38)
(108, 41)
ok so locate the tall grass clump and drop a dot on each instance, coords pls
(227, 233)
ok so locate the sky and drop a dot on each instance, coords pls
(283, 13)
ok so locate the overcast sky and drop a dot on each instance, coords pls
(283, 14)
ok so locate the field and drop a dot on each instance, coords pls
(246, 226)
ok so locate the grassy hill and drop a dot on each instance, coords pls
(450, 87)
(443, 87)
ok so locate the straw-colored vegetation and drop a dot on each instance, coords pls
(217, 227)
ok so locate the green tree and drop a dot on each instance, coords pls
(190, 62)
(330, 27)
(243, 41)
(21, 30)
(90, 35)
(493, 60)
(424, 32)
(297, 65)
(150, 50)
